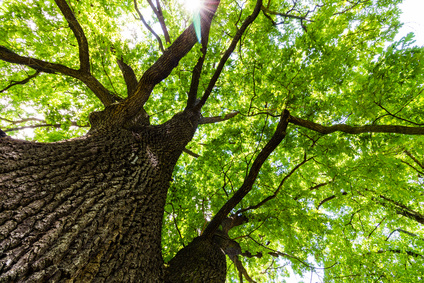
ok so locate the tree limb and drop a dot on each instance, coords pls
(98, 89)
(274, 195)
(403, 231)
(228, 52)
(159, 15)
(414, 158)
(242, 271)
(141, 18)
(129, 76)
(24, 81)
(328, 199)
(250, 179)
(195, 155)
(76, 28)
(217, 119)
(163, 67)
(358, 129)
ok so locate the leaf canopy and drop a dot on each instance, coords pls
(342, 206)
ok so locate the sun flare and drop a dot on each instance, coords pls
(192, 6)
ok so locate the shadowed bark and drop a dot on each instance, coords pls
(88, 209)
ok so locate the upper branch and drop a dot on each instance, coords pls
(163, 67)
(148, 27)
(24, 81)
(99, 90)
(159, 15)
(274, 195)
(250, 179)
(76, 28)
(129, 76)
(217, 119)
(357, 130)
(228, 52)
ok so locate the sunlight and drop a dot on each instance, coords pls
(192, 6)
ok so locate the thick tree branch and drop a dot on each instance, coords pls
(76, 28)
(217, 119)
(141, 18)
(24, 81)
(129, 76)
(195, 78)
(358, 129)
(166, 63)
(228, 52)
(250, 179)
(98, 89)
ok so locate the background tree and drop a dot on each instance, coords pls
(289, 137)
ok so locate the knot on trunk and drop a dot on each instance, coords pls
(112, 117)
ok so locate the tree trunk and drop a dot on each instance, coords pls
(91, 208)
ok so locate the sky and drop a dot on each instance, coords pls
(413, 19)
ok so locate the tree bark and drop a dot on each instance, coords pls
(88, 209)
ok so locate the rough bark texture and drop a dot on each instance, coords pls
(202, 258)
(88, 209)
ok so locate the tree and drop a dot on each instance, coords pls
(290, 135)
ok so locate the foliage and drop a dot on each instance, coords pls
(347, 207)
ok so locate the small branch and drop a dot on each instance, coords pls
(284, 15)
(141, 18)
(195, 155)
(79, 34)
(217, 119)
(357, 130)
(277, 253)
(415, 159)
(195, 78)
(414, 254)
(328, 199)
(21, 121)
(396, 117)
(413, 167)
(176, 225)
(403, 231)
(159, 15)
(378, 225)
(351, 7)
(24, 81)
(278, 189)
(401, 208)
